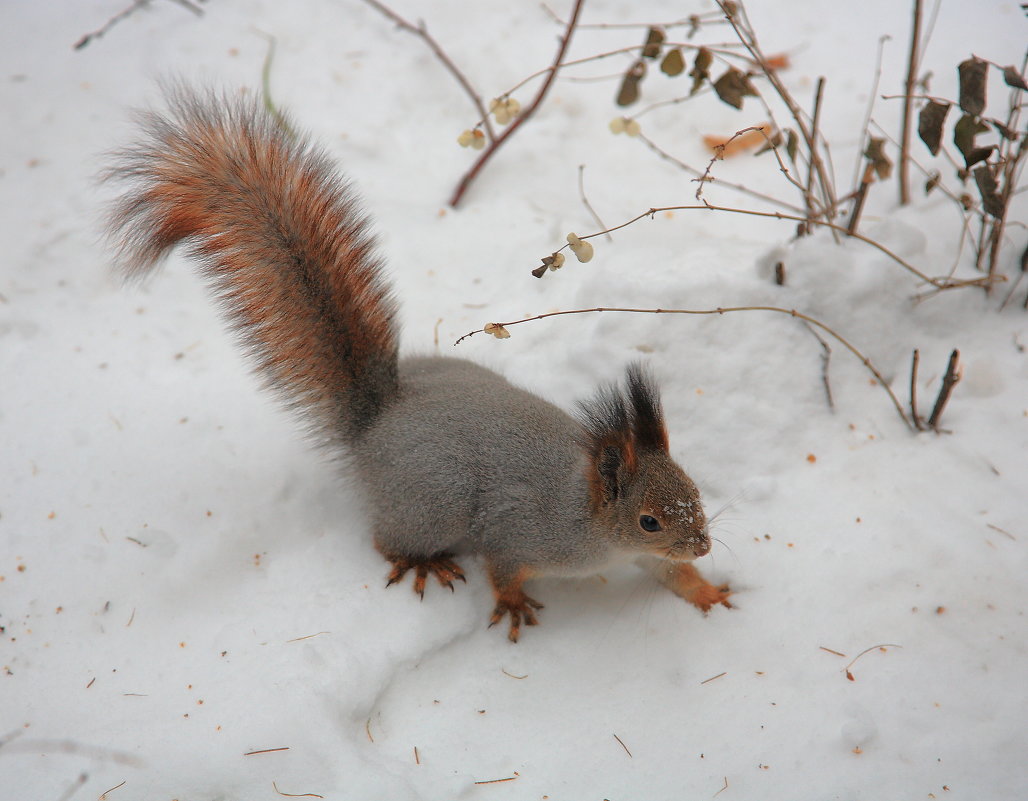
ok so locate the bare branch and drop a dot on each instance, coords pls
(496, 143)
(880, 379)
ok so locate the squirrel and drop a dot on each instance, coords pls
(451, 457)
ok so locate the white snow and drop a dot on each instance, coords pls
(184, 581)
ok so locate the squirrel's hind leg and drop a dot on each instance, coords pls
(441, 565)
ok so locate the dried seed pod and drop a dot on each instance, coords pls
(496, 330)
(474, 139)
(583, 250)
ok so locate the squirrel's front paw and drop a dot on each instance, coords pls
(685, 581)
(442, 565)
(707, 595)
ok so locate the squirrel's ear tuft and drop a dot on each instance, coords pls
(648, 427)
(608, 440)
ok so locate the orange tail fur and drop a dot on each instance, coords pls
(281, 241)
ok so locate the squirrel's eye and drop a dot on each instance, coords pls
(649, 523)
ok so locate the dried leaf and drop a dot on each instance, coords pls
(973, 73)
(979, 154)
(929, 124)
(1004, 131)
(875, 153)
(964, 133)
(792, 144)
(629, 91)
(934, 179)
(988, 186)
(700, 71)
(1011, 77)
(733, 86)
(673, 63)
(654, 39)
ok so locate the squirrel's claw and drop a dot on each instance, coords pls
(708, 595)
(520, 607)
(442, 565)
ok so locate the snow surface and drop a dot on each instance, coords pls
(184, 581)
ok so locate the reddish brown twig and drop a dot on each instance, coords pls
(937, 283)
(497, 781)
(123, 14)
(699, 174)
(527, 112)
(266, 751)
(421, 31)
(914, 414)
(721, 310)
(908, 106)
(881, 647)
(950, 380)
(623, 746)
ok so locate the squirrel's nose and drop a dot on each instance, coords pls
(701, 548)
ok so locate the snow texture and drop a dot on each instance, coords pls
(184, 581)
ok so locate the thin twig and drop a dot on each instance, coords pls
(624, 746)
(872, 96)
(908, 106)
(296, 795)
(723, 788)
(496, 143)
(103, 795)
(860, 197)
(497, 781)
(720, 182)
(914, 414)
(938, 283)
(266, 751)
(723, 310)
(815, 124)
(125, 13)
(749, 39)
(826, 359)
(949, 380)
(586, 203)
(421, 31)
(881, 646)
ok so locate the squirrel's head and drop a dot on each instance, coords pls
(639, 494)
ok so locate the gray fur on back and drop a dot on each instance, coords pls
(439, 477)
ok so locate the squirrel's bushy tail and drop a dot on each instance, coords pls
(282, 242)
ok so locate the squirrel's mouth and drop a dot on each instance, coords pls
(688, 548)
